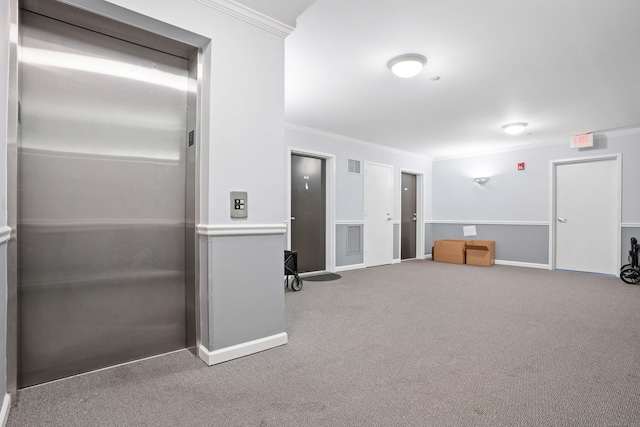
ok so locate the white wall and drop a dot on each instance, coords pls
(349, 188)
(242, 150)
(247, 106)
(349, 193)
(512, 195)
(523, 196)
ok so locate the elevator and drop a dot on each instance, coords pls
(106, 255)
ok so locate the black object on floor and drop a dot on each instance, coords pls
(291, 269)
(324, 277)
(630, 273)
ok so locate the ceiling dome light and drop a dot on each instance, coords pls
(407, 65)
(514, 128)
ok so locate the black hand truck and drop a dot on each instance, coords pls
(630, 273)
(291, 269)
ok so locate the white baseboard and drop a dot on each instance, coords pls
(4, 413)
(396, 261)
(523, 264)
(430, 256)
(349, 267)
(241, 350)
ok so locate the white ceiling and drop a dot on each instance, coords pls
(564, 66)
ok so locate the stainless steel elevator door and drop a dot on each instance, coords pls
(101, 193)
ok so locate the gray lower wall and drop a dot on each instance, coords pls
(246, 288)
(428, 238)
(396, 241)
(518, 243)
(343, 257)
(203, 287)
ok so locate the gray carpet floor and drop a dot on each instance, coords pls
(414, 344)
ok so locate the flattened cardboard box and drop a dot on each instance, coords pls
(452, 251)
(481, 252)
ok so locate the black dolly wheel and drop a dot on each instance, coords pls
(296, 284)
(630, 275)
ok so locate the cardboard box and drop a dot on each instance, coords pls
(452, 251)
(481, 252)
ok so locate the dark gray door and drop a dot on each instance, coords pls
(101, 201)
(308, 212)
(409, 217)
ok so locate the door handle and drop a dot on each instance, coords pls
(415, 217)
(293, 218)
(562, 219)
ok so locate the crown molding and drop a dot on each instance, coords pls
(619, 132)
(250, 16)
(503, 150)
(607, 133)
(349, 139)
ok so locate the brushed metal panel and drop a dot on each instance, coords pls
(191, 259)
(11, 201)
(101, 199)
(121, 30)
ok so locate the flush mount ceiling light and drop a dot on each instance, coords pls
(407, 65)
(514, 128)
(481, 180)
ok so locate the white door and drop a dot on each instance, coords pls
(378, 214)
(587, 215)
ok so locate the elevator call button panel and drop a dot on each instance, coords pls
(238, 204)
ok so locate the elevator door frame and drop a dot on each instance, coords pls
(140, 29)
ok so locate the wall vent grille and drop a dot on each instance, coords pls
(354, 166)
(353, 239)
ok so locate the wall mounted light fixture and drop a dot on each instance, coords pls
(481, 180)
(407, 65)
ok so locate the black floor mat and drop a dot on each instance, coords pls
(324, 277)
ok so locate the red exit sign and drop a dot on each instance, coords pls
(581, 141)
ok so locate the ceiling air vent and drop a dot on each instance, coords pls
(354, 166)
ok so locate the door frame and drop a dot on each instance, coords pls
(330, 186)
(393, 208)
(420, 211)
(200, 68)
(617, 157)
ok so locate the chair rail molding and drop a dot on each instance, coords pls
(240, 230)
